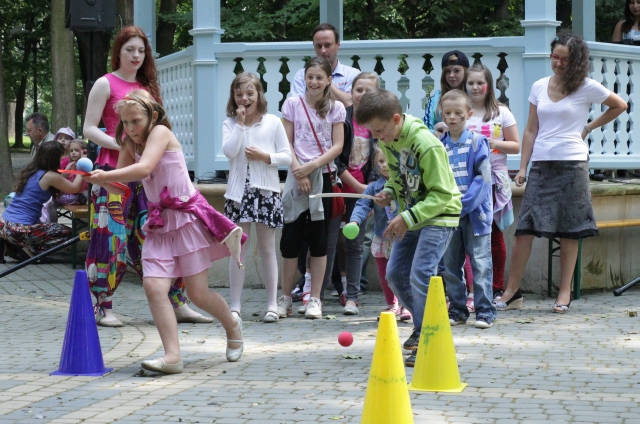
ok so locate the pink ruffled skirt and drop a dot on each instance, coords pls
(181, 248)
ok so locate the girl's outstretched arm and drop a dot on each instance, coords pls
(53, 179)
(160, 139)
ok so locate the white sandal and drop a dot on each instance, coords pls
(271, 316)
(234, 354)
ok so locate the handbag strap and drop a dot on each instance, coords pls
(304, 106)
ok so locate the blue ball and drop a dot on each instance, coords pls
(85, 164)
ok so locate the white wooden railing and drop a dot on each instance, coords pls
(612, 147)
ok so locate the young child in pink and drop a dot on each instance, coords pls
(184, 233)
(77, 150)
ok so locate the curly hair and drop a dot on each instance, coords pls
(629, 19)
(579, 66)
(147, 104)
(147, 75)
(47, 157)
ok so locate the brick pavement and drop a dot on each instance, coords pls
(532, 366)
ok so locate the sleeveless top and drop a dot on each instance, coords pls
(26, 207)
(631, 35)
(118, 88)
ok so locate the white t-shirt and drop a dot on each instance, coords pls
(494, 128)
(560, 124)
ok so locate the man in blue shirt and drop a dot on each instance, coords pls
(326, 43)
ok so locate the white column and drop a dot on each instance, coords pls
(208, 117)
(539, 30)
(583, 20)
(144, 16)
(331, 12)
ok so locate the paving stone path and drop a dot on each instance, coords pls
(532, 366)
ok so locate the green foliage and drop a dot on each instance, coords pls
(294, 20)
(24, 25)
(608, 14)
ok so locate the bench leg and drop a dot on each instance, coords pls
(74, 250)
(550, 267)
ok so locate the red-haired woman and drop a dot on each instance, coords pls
(115, 228)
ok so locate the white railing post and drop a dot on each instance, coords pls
(144, 16)
(583, 18)
(331, 12)
(208, 117)
(539, 29)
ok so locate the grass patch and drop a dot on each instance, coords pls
(25, 140)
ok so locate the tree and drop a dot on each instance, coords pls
(63, 78)
(166, 27)
(6, 168)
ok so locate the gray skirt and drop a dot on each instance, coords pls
(557, 201)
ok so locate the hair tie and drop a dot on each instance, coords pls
(557, 38)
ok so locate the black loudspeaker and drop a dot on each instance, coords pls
(90, 15)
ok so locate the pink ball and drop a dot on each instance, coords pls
(345, 339)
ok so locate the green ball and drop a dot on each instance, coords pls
(351, 231)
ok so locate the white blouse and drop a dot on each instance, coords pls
(267, 135)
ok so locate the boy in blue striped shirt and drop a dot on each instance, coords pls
(469, 159)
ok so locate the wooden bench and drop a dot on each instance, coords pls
(554, 246)
(79, 216)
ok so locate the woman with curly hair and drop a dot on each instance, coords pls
(557, 199)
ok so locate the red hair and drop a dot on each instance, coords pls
(147, 75)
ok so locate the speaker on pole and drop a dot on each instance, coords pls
(90, 15)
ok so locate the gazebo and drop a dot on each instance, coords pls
(195, 81)
(195, 84)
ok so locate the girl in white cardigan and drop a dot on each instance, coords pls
(256, 144)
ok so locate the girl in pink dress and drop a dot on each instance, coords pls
(184, 233)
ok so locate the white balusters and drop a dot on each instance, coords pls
(273, 77)
(415, 93)
(622, 80)
(609, 136)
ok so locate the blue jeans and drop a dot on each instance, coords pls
(479, 250)
(412, 263)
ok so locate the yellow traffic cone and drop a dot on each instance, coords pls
(387, 398)
(436, 368)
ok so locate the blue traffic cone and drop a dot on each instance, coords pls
(81, 352)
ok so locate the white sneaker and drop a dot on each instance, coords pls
(285, 307)
(351, 308)
(305, 299)
(314, 309)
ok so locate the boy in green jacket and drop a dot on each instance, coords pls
(427, 197)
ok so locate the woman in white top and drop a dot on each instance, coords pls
(256, 145)
(557, 199)
(629, 29)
